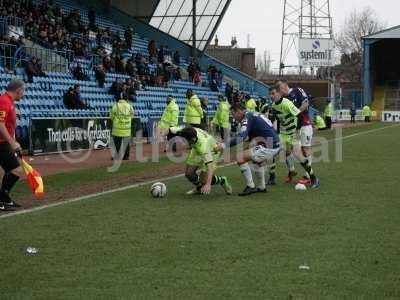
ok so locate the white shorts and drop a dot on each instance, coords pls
(305, 135)
(260, 154)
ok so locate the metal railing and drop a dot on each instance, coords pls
(11, 24)
(8, 56)
(51, 60)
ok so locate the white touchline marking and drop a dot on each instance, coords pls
(136, 185)
(21, 212)
(363, 132)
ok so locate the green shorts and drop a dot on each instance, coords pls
(287, 141)
(195, 160)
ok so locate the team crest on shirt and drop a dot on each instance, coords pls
(2, 115)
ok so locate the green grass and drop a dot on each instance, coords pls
(129, 246)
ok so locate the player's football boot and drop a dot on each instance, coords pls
(315, 183)
(12, 204)
(248, 191)
(260, 190)
(291, 175)
(9, 202)
(194, 191)
(272, 180)
(4, 207)
(226, 186)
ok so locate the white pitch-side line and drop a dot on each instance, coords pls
(26, 211)
(364, 132)
(21, 212)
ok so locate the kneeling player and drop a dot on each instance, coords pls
(203, 157)
(257, 129)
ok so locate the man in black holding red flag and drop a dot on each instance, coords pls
(9, 147)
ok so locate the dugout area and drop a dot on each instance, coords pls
(382, 70)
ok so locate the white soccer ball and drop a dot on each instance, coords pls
(158, 190)
(300, 187)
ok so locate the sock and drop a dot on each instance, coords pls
(290, 162)
(9, 180)
(307, 166)
(217, 180)
(309, 158)
(195, 179)
(246, 171)
(260, 173)
(272, 169)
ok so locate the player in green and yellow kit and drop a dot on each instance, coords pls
(287, 114)
(202, 160)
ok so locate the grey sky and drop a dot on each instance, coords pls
(262, 19)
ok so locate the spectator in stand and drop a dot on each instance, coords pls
(107, 63)
(152, 48)
(131, 67)
(130, 90)
(136, 83)
(92, 19)
(78, 47)
(128, 34)
(72, 22)
(161, 55)
(176, 74)
(119, 64)
(191, 69)
(167, 73)
(34, 68)
(176, 58)
(116, 88)
(79, 74)
(72, 98)
(229, 92)
(219, 78)
(214, 86)
(197, 78)
(100, 75)
(99, 37)
(210, 74)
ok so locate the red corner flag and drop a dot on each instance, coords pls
(34, 179)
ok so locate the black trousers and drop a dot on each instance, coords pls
(328, 121)
(367, 119)
(353, 119)
(221, 132)
(118, 142)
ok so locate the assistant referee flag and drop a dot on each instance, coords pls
(34, 179)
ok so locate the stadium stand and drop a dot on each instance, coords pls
(44, 95)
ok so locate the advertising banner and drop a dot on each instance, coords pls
(54, 135)
(316, 52)
(391, 116)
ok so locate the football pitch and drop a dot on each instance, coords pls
(339, 242)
